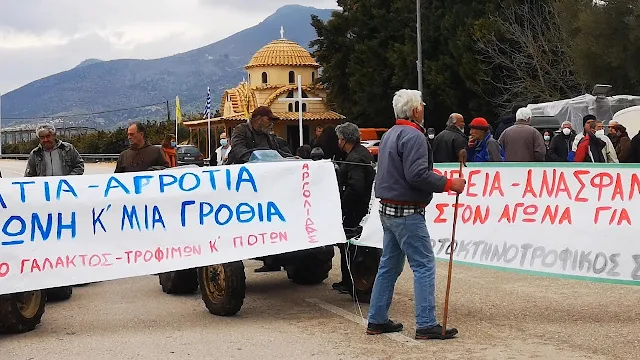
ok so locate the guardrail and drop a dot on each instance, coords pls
(86, 157)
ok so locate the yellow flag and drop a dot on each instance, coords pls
(178, 111)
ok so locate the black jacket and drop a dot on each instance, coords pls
(505, 123)
(634, 154)
(560, 147)
(355, 183)
(447, 145)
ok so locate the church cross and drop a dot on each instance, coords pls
(302, 101)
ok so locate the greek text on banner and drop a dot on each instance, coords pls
(57, 231)
(566, 220)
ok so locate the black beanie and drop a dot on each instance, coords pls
(587, 118)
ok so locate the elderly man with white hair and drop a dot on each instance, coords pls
(522, 142)
(53, 157)
(405, 183)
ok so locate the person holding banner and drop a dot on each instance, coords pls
(355, 179)
(405, 183)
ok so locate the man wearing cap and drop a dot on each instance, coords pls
(255, 134)
(482, 146)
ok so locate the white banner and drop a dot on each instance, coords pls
(569, 220)
(57, 231)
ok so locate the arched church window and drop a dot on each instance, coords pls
(290, 107)
(292, 77)
(265, 79)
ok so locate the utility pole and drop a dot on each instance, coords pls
(419, 36)
(168, 112)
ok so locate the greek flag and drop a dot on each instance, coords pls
(207, 108)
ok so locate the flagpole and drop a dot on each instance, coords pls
(300, 110)
(177, 103)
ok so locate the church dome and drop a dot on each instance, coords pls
(282, 52)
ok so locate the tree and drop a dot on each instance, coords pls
(527, 53)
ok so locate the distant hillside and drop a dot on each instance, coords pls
(95, 85)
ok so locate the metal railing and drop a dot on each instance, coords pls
(86, 157)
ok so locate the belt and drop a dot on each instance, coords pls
(406, 203)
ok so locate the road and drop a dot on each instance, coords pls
(500, 315)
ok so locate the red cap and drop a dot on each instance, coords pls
(479, 123)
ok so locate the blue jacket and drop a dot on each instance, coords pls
(405, 164)
(488, 150)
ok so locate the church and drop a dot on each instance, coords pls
(272, 80)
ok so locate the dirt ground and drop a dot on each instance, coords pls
(500, 316)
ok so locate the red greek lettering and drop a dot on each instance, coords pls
(128, 253)
(60, 262)
(35, 265)
(22, 265)
(618, 188)
(212, 246)
(196, 249)
(105, 260)
(175, 251)
(237, 242)
(601, 181)
(4, 269)
(249, 242)
(635, 186)
(95, 261)
(187, 251)
(137, 255)
(578, 176)
(71, 261)
(471, 184)
(84, 259)
(439, 218)
(158, 254)
(47, 262)
(148, 256)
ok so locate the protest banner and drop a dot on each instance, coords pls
(58, 231)
(567, 220)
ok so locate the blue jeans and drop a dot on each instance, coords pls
(405, 236)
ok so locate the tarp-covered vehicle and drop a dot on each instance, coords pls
(223, 286)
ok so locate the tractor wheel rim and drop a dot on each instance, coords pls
(29, 303)
(214, 284)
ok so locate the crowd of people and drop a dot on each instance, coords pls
(404, 180)
(515, 140)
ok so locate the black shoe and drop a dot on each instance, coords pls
(435, 332)
(267, 268)
(342, 288)
(389, 327)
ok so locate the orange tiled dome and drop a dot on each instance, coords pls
(282, 52)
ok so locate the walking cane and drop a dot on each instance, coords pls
(463, 162)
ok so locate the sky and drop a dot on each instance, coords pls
(39, 38)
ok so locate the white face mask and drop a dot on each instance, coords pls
(431, 136)
(566, 131)
(547, 138)
(600, 133)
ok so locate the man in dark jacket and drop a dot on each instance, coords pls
(634, 156)
(507, 121)
(355, 180)
(560, 145)
(254, 135)
(447, 145)
(405, 184)
(141, 155)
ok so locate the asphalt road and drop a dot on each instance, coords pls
(500, 315)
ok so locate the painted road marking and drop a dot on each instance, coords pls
(349, 316)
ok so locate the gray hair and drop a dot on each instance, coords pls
(524, 114)
(45, 127)
(566, 122)
(405, 101)
(348, 132)
(453, 118)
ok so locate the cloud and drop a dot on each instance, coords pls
(42, 37)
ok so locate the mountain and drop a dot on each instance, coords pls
(96, 86)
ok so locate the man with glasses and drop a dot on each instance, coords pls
(141, 155)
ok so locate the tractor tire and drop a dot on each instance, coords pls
(364, 269)
(312, 270)
(21, 312)
(59, 293)
(223, 287)
(179, 282)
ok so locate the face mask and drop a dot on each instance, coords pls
(566, 131)
(173, 144)
(600, 133)
(547, 138)
(223, 142)
(431, 136)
